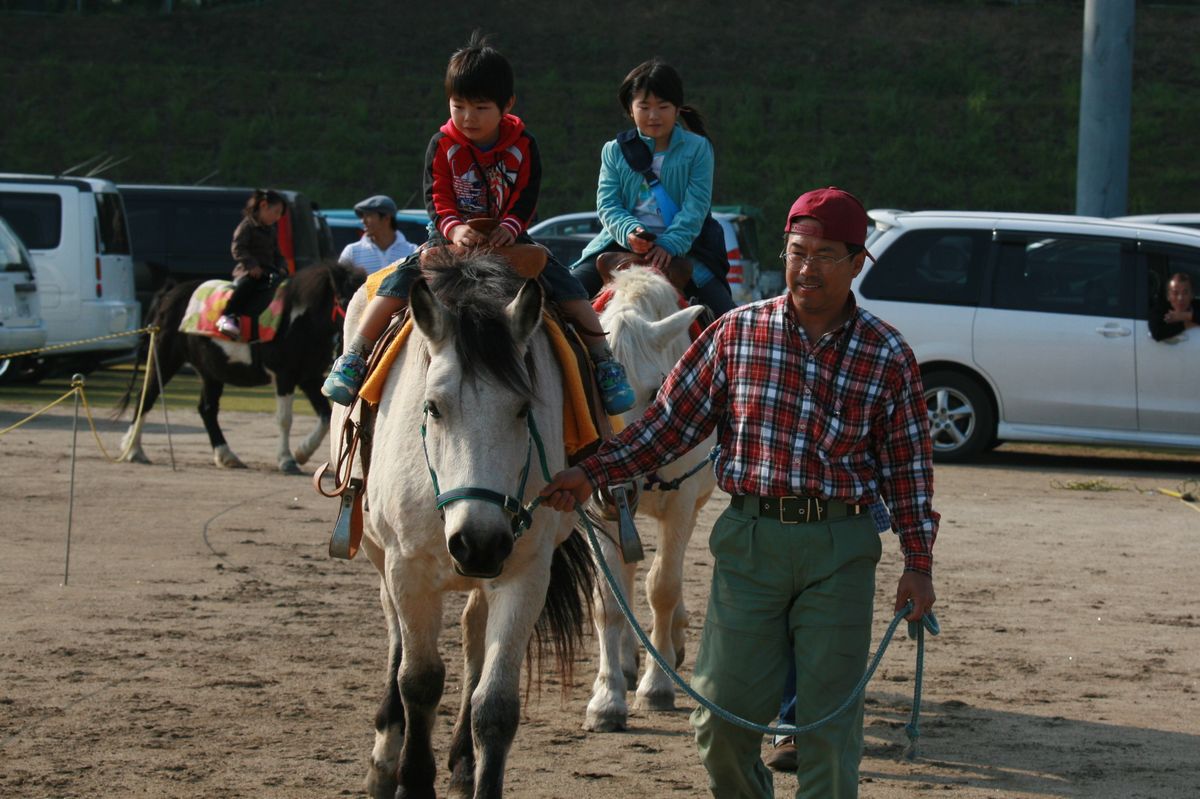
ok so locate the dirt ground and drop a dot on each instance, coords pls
(205, 645)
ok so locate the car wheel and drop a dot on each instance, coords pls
(8, 367)
(961, 420)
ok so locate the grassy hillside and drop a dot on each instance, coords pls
(909, 104)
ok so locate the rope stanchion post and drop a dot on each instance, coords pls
(77, 388)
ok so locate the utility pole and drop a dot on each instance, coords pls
(1102, 177)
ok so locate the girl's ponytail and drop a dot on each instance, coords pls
(692, 120)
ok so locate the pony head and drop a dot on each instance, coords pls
(648, 330)
(478, 319)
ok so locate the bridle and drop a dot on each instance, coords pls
(520, 516)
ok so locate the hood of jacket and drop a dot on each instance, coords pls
(511, 128)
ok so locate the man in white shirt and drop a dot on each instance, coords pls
(382, 243)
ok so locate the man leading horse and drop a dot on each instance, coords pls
(818, 409)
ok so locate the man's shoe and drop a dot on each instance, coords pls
(345, 378)
(228, 327)
(615, 390)
(783, 756)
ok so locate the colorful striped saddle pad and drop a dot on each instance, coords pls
(208, 302)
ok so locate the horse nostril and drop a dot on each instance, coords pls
(460, 548)
(504, 548)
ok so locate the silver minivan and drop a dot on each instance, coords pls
(21, 325)
(1037, 327)
(75, 229)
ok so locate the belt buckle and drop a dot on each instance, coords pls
(805, 515)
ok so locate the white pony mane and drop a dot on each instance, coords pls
(642, 296)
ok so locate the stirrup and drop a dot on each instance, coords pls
(347, 530)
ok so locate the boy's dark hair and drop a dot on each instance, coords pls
(479, 72)
(659, 78)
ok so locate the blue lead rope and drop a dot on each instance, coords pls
(915, 630)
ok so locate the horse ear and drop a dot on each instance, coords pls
(428, 313)
(525, 311)
(674, 325)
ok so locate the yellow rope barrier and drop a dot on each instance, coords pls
(69, 344)
(36, 414)
(77, 388)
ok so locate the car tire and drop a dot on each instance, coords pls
(961, 420)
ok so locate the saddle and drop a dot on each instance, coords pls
(207, 303)
(527, 260)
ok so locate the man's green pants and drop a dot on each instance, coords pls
(815, 585)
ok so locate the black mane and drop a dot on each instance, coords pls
(476, 289)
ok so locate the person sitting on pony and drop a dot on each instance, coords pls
(259, 263)
(481, 164)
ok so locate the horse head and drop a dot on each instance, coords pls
(323, 292)
(647, 329)
(479, 395)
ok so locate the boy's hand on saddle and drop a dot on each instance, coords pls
(501, 237)
(464, 236)
(566, 489)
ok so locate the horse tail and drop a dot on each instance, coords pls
(567, 612)
(158, 312)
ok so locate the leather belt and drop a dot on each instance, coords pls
(794, 510)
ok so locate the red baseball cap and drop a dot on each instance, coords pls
(841, 215)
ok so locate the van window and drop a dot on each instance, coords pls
(110, 215)
(943, 267)
(37, 218)
(1064, 275)
(12, 254)
(1162, 261)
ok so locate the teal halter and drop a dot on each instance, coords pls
(520, 516)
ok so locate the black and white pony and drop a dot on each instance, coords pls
(297, 357)
(471, 400)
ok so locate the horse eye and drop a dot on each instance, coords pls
(524, 411)
(431, 408)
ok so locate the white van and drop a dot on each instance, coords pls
(21, 326)
(75, 229)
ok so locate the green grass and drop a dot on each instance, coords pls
(104, 387)
(923, 104)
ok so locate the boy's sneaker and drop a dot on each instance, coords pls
(228, 327)
(345, 378)
(615, 390)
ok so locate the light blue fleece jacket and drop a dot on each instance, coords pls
(687, 176)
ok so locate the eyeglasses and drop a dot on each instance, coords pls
(823, 261)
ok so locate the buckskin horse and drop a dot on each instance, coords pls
(297, 357)
(469, 420)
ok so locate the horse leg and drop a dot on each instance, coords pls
(462, 747)
(607, 710)
(389, 720)
(421, 678)
(210, 405)
(169, 360)
(283, 418)
(664, 593)
(320, 405)
(513, 609)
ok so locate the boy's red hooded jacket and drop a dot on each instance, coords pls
(464, 182)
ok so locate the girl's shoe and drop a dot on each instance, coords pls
(615, 391)
(228, 327)
(345, 378)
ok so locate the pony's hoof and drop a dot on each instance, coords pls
(658, 701)
(608, 721)
(136, 456)
(224, 458)
(301, 457)
(381, 784)
(289, 466)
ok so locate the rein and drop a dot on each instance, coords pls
(655, 483)
(915, 630)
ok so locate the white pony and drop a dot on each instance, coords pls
(648, 333)
(455, 452)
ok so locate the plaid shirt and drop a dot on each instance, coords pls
(843, 419)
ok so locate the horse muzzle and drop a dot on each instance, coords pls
(480, 553)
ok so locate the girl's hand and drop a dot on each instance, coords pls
(464, 236)
(501, 237)
(637, 244)
(658, 258)
(1178, 316)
